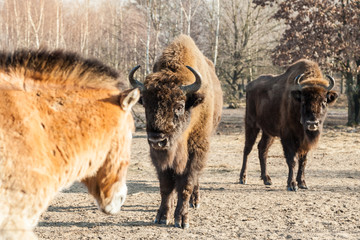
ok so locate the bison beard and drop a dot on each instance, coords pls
(291, 106)
(182, 107)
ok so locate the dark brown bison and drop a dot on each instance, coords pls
(291, 106)
(182, 107)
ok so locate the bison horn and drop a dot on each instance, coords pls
(135, 83)
(331, 82)
(196, 85)
(298, 78)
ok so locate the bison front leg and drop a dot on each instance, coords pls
(185, 189)
(290, 160)
(195, 196)
(251, 132)
(167, 185)
(263, 147)
(301, 172)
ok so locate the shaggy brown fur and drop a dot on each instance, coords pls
(295, 113)
(61, 119)
(181, 123)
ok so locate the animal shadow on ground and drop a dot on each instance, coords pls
(72, 208)
(93, 225)
(135, 187)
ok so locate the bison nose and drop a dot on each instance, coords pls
(312, 125)
(158, 141)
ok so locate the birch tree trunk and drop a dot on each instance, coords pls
(147, 58)
(36, 27)
(17, 30)
(181, 18)
(217, 31)
(188, 18)
(59, 6)
(85, 31)
(188, 15)
(7, 42)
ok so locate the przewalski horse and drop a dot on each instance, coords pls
(291, 106)
(183, 104)
(62, 119)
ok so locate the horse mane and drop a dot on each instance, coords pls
(56, 69)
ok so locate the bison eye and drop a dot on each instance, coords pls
(179, 109)
(324, 104)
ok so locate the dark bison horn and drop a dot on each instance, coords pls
(135, 83)
(298, 78)
(196, 85)
(331, 82)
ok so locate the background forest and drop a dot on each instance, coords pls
(244, 38)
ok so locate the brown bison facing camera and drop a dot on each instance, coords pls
(183, 107)
(291, 106)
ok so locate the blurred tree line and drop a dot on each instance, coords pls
(244, 38)
(234, 34)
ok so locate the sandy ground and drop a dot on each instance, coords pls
(329, 209)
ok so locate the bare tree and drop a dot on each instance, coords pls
(147, 62)
(126, 33)
(59, 11)
(85, 30)
(36, 24)
(244, 44)
(189, 12)
(217, 9)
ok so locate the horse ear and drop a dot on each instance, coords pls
(129, 98)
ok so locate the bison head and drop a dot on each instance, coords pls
(167, 105)
(314, 96)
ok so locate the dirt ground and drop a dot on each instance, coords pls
(329, 209)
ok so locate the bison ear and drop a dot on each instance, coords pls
(129, 98)
(296, 94)
(193, 100)
(331, 97)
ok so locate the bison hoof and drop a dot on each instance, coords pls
(196, 206)
(184, 225)
(292, 188)
(302, 184)
(267, 182)
(242, 179)
(164, 221)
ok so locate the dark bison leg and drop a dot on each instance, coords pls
(290, 160)
(301, 172)
(167, 185)
(251, 132)
(184, 187)
(195, 196)
(263, 147)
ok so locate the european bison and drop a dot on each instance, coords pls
(180, 117)
(62, 119)
(291, 106)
